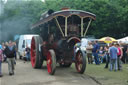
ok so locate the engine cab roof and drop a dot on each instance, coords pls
(64, 13)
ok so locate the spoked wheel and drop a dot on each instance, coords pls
(51, 62)
(80, 61)
(65, 64)
(36, 57)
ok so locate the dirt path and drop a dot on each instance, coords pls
(26, 75)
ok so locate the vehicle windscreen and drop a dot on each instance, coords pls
(28, 42)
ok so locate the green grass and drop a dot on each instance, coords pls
(105, 77)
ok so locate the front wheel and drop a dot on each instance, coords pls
(80, 61)
(51, 62)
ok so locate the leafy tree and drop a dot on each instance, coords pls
(111, 15)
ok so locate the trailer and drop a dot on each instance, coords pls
(60, 33)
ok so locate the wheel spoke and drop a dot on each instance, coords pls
(49, 62)
(79, 62)
(79, 67)
(79, 59)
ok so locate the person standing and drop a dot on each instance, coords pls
(124, 49)
(4, 56)
(14, 43)
(10, 53)
(1, 61)
(101, 54)
(95, 52)
(107, 56)
(127, 55)
(27, 53)
(89, 52)
(120, 54)
(113, 57)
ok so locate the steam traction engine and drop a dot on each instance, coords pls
(59, 32)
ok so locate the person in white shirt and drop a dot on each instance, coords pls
(89, 52)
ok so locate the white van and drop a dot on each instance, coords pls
(24, 40)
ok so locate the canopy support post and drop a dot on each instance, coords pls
(82, 27)
(66, 18)
(59, 27)
(87, 27)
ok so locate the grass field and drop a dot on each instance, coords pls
(105, 77)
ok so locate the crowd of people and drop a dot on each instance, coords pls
(8, 54)
(114, 54)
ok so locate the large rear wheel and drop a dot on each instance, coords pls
(36, 56)
(51, 62)
(80, 61)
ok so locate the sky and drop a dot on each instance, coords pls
(6, 1)
(43, 0)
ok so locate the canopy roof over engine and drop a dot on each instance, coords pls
(66, 14)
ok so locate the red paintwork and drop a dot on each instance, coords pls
(33, 52)
(49, 62)
(47, 46)
(79, 62)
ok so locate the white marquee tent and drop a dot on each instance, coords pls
(123, 40)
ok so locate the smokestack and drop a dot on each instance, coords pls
(46, 14)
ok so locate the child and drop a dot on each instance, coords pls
(0, 60)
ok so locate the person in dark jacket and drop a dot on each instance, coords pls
(107, 56)
(95, 52)
(10, 53)
(124, 58)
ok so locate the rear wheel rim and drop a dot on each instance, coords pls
(33, 52)
(79, 62)
(49, 62)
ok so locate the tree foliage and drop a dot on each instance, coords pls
(111, 15)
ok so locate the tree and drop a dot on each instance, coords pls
(111, 15)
